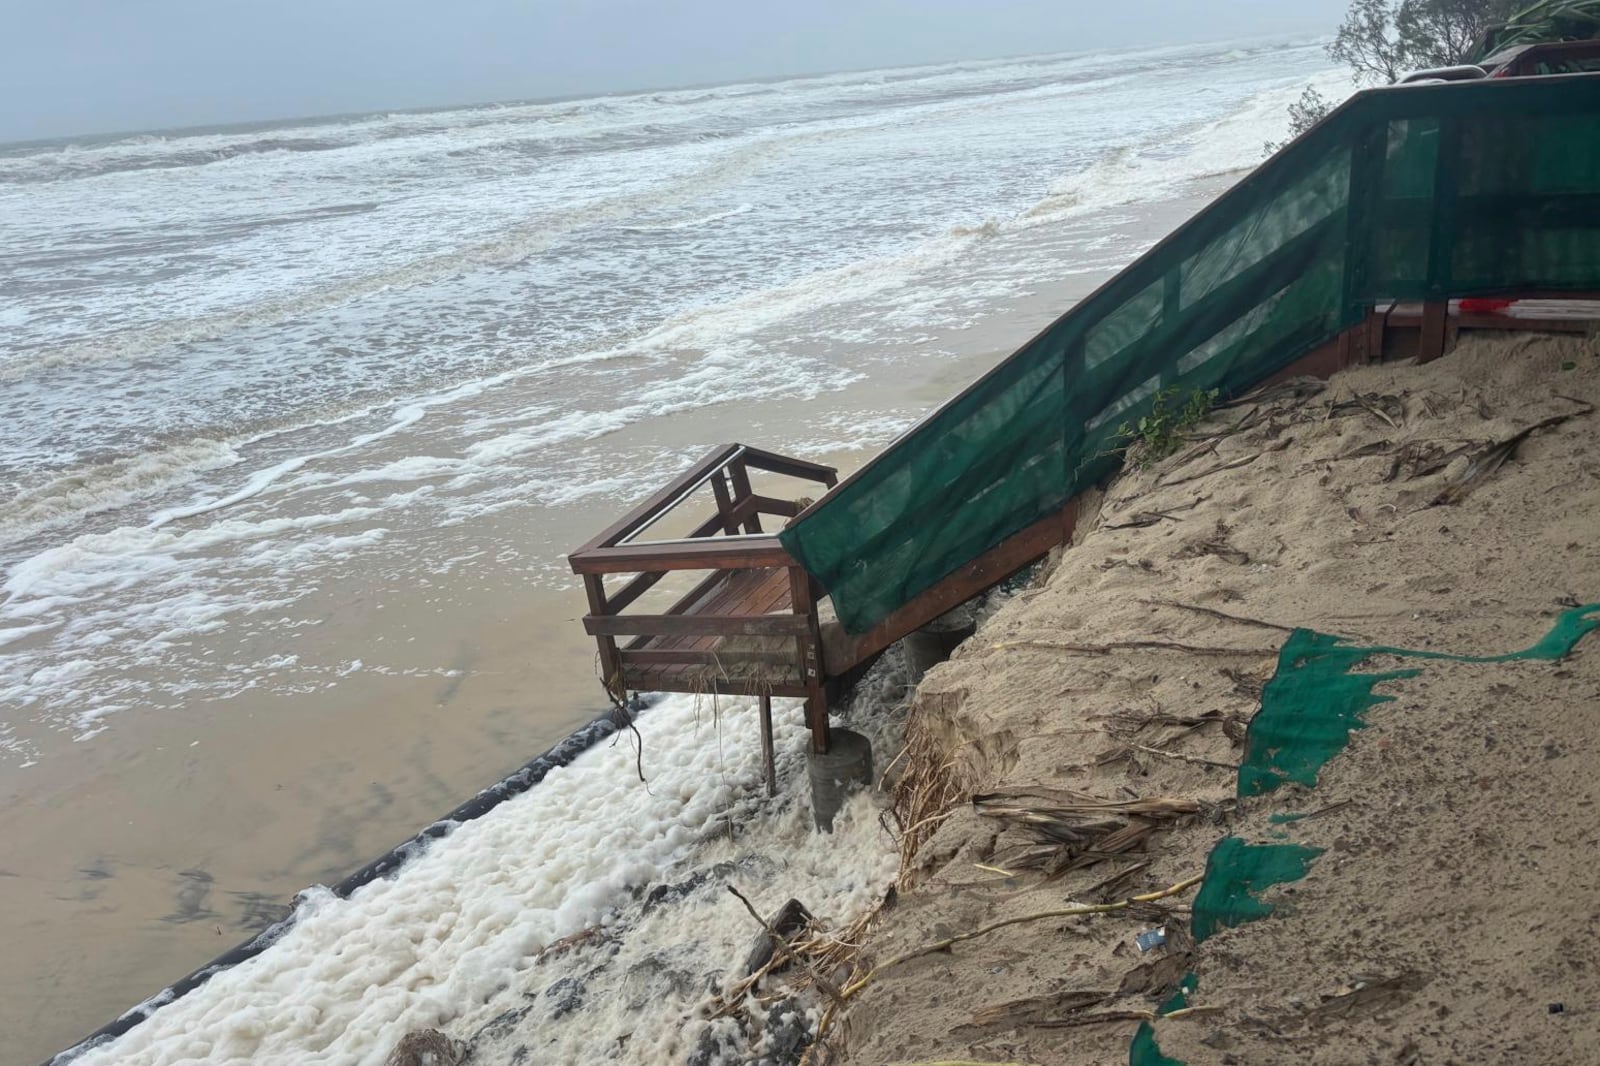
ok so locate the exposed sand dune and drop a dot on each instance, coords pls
(1453, 902)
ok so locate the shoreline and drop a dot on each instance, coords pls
(362, 782)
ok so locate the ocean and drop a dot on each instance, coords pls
(302, 416)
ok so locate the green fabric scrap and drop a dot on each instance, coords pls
(1144, 1051)
(1236, 875)
(1315, 700)
(1307, 711)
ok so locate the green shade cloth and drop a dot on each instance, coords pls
(1416, 192)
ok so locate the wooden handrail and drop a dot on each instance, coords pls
(662, 501)
(746, 552)
(696, 625)
(774, 463)
(724, 467)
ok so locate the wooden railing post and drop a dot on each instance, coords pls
(1435, 320)
(610, 661)
(741, 492)
(1441, 242)
(768, 763)
(809, 659)
(719, 487)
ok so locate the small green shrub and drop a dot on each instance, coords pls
(1160, 432)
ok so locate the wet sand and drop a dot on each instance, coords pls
(129, 860)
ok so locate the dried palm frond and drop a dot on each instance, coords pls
(1075, 829)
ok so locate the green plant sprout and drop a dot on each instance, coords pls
(1159, 432)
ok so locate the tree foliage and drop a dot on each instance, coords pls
(1383, 40)
(1310, 109)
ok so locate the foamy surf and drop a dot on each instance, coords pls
(456, 939)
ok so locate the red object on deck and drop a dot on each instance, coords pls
(1484, 305)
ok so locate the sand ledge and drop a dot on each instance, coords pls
(1450, 908)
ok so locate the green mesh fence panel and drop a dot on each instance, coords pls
(1416, 192)
(1307, 711)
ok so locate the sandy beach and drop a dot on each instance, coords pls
(1442, 915)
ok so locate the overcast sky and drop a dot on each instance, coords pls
(80, 66)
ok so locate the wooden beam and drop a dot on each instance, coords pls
(984, 572)
(1350, 348)
(632, 591)
(769, 766)
(1435, 317)
(699, 684)
(688, 657)
(696, 625)
(610, 660)
(754, 505)
(808, 649)
(712, 553)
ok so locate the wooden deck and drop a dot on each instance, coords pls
(714, 631)
(749, 627)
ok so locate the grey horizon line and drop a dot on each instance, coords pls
(423, 109)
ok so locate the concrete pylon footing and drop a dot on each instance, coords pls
(846, 767)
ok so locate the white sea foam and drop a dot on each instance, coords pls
(453, 941)
(240, 356)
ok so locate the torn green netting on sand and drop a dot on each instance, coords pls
(1315, 699)
(1313, 703)
(1143, 1051)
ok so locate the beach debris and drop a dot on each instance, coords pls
(959, 1062)
(1038, 1010)
(1076, 829)
(1493, 456)
(1142, 519)
(1420, 458)
(1212, 612)
(1150, 939)
(426, 1047)
(1365, 995)
(789, 919)
(1194, 760)
(1232, 464)
(1126, 724)
(1217, 544)
(855, 987)
(1101, 890)
(1131, 645)
(1161, 975)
